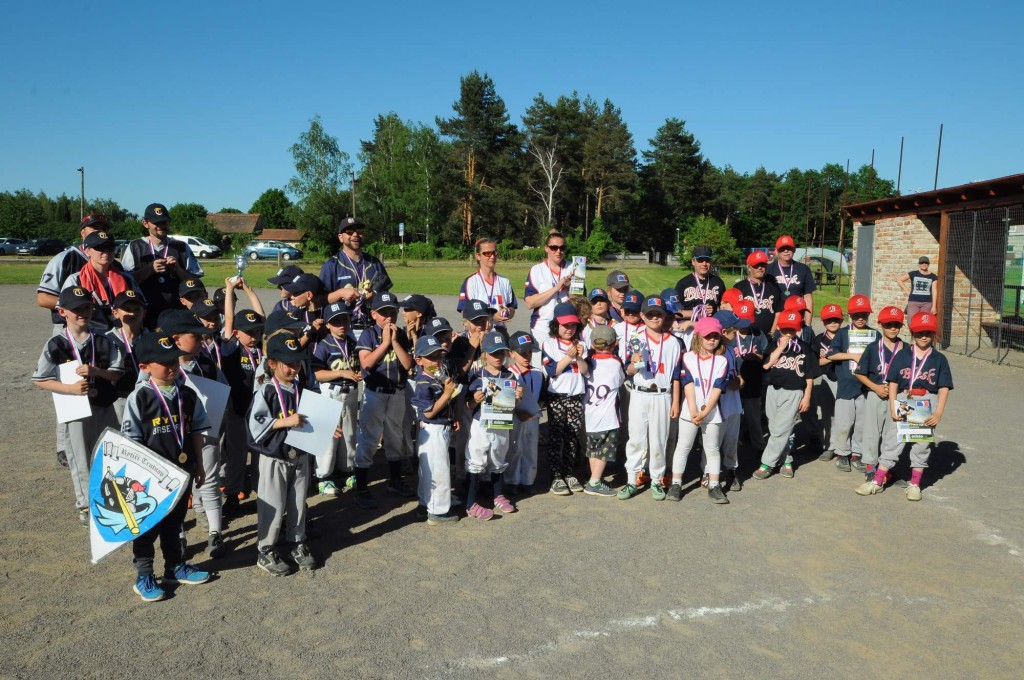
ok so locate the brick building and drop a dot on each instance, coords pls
(970, 233)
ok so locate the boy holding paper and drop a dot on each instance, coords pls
(848, 420)
(99, 366)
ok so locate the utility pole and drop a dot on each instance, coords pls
(81, 200)
(938, 155)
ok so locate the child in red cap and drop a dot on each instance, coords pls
(825, 389)
(878, 428)
(847, 347)
(918, 373)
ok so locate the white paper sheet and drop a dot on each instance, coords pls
(322, 417)
(214, 396)
(70, 407)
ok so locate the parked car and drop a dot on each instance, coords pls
(259, 249)
(8, 246)
(201, 248)
(42, 246)
(119, 246)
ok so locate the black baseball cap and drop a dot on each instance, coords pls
(475, 309)
(180, 321)
(156, 213)
(285, 275)
(286, 348)
(287, 320)
(417, 303)
(204, 307)
(158, 348)
(303, 283)
(127, 297)
(350, 224)
(702, 253)
(98, 239)
(246, 320)
(95, 221)
(191, 285)
(73, 298)
(522, 342)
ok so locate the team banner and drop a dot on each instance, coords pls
(130, 490)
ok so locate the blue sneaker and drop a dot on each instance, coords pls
(186, 574)
(146, 587)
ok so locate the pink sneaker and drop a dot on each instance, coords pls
(480, 512)
(503, 505)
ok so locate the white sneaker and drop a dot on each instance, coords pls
(869, 488)
(913, 492)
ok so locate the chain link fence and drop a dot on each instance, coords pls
(983, 285)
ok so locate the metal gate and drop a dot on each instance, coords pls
(983, 285)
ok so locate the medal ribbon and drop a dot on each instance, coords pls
(705, 384)
(280, 398)
(661, 352)
(785, 279)
(179, 433)
(915, 371)
(758, 297)
(882, 364)
(78, 355)
(152, 250)
(128, 348)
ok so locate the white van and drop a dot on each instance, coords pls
(201, 248)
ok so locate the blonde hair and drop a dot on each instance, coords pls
(583, 308)
(697, 344)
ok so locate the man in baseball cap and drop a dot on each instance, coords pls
(762, 291)
(352, 276)
(700, 291)
(793, 278)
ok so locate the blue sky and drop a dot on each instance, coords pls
(199, 102)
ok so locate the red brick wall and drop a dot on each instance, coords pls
(899, 242)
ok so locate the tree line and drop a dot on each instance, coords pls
(569, 164)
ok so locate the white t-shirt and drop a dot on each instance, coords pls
(541, 279)
(661, 360)
(705, 374)
(601, 408)
(571, 380)
(624, 332)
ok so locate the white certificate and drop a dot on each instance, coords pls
(214, 396)
(70, 407)
(322, 417)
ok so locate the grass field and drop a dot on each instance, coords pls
(434, 278)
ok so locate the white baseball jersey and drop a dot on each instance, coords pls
(705, 374)
(570, 381)
(602, 401)
(660, 365)
(624, 332)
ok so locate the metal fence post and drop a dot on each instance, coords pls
(970, 292)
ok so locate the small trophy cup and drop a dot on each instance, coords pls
(241, 263)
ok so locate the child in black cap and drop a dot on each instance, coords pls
(284, 470)
(129, 311)
(100, 366)
(169, 419)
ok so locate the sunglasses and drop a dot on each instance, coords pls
(488, 253)
(353, 232)
(892, 324)
(759, 266)
(105, 249)
(702, 259)
(558, 248)
(860, 315)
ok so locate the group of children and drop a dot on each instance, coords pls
(469, 404)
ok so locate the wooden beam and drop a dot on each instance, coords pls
(944, 266)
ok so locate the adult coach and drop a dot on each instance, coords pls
(921, 289)
(488, 286)
(62, 265)
(547, 285)
(159, 264)
(352, 276)
(792, 278)
(762, 291)
(700, 292)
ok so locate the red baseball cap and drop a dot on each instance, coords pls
(795, 303)
(785, 241)
(831, 312)
(891, 314)
(858, 304)
(732, 296)
(744, 310)
(791, 320)
(923, 321)
(757, 257)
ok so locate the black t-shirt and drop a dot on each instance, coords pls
(693, 291)
(767, 299)
(796, 364)
(795, 279)
(821, 345)
(750, 353)
(921, 286)
(240, 365)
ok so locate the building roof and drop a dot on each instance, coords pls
(283, 234)
(989, 193)
(236, 223)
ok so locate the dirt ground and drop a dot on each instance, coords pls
(796, 578)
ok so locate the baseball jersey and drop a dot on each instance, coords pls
(729, 403)
(660, 366)
(534, 385)
(240, 365)
(930, 375)
(164, 421)
(767, 299)
(822, 343)
(389, 371)
(750, 351)
(274, 400)
(341, 271)
(496, 293)
(130, 366)
(334, 354)
(541, 279)
(795, 366)
(570, 381)
(874, 363)
(795, 279)
(160, 289)
(624, 332)
(97, 350)
(601, 405)
(694, 291)
(428, 390)
(57, 270)
(480, 382)
(847, 386)
(706, 374)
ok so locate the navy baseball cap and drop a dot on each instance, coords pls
(286, 348)
(702, 253)
(156, 348)
(126, 297)
(598, 294)
(191, 285)
(565, 312)
(350, 224)
(494, 342)
(671, 298)
(156, 213)
(280, 319)
(522, 342)
(475, 309)
(428, 345)
(653, 304)
(285, 275)
(384, 300)
(417, 303)
(73, 298)
(633, 301)
(730, 320)
(303, 283)
(180, 321)
(246, 320)
(334, 310)
(439, 324)
(205, 307)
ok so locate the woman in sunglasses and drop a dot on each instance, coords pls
(547, 285)
(486, 285)
(101, 279)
